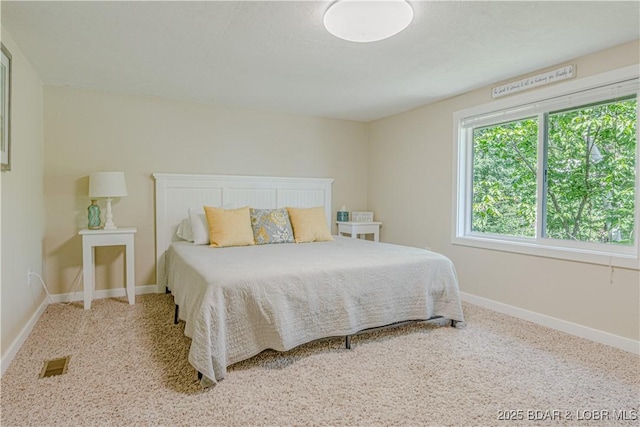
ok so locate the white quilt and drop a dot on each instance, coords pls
(239, 301)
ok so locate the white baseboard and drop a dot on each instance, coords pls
(596, 335)
(76, 296)
(22, 336)
(105, 293)
(581, 331)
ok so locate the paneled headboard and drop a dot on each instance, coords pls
(176, 193)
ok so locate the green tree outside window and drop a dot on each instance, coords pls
(589, 166)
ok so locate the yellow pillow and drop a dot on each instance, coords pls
(229, 227)
(309, 225)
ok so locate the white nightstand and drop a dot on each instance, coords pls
(117, 237)
(357, 228)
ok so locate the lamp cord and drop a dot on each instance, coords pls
(44, 286)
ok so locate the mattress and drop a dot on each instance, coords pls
(239, 301)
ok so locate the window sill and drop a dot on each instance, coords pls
(612, 259)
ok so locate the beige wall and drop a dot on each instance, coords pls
(411, 191)
(22, 203)
(87, 131)
(379, 166)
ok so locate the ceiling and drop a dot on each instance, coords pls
(277, 56)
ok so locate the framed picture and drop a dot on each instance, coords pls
(5, 109)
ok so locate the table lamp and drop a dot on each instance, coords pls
(108, 185)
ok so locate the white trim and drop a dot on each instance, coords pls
(22, 336)
(615, 256)
(575, 329)
(547, 251)
(571, 328)
(104, 293)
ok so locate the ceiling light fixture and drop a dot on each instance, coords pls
(367, 20)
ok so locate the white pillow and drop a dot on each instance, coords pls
(199, 226)
(184, 230)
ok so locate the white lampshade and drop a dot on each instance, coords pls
(107, 184)
(367, 20)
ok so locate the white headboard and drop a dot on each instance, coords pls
(176, 193)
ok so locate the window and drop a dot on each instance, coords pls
(553, 173)
(504, 178)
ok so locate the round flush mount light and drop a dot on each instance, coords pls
(367, 20)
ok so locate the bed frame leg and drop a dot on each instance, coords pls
(166, 290)
(347, 342)
(457, 324)
(175, 316)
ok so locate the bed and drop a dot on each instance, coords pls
(239, 301)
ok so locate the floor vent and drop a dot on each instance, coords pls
(55, 367)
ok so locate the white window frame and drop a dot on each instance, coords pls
(527, 105)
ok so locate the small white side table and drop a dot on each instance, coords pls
(93, 238)
(358, 228)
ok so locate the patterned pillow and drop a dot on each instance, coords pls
(271, 226)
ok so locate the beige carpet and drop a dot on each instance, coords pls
(129, 367)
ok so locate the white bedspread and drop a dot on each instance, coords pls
(239, 301)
